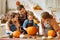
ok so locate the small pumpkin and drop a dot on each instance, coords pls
(51, 33)
(16, 34)
(31, 30)
(37, 7)
(17, 3)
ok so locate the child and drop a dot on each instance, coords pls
(12, 24)
(29, 22)
(49, 23)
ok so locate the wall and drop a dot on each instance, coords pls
(2, 7)
(26, 3)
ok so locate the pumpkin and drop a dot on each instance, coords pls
(37, 7)
(17, 3)
(51, 33)
(31, 30)
(16, 34)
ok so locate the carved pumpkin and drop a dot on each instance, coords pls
(16, 34)
(32, 30)
(51, 33)
(17, 3)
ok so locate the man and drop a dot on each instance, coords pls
(23, 14)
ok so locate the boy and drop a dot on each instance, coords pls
(29, 22)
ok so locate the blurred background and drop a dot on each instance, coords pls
(46, 5)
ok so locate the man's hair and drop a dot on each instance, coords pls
(20, 7)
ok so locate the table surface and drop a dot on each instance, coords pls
(29, 37)
(26, 39)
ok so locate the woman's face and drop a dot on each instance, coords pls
(30, 17)
(45, 20)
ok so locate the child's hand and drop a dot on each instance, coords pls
(58, 37)
(17, 24)
(25, 28)
(10, 32)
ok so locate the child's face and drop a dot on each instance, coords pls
(30, 17)
(16, 18)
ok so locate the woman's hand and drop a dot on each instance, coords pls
(58, 35)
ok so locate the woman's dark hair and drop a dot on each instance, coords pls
(20, 7)
(46, 15)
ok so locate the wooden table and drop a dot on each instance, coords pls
(26, 39)
(29, 37)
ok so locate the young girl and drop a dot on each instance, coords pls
(29, 22)
(12, 24)
(49, 23)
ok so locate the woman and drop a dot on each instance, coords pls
(49, 23)
(12, 24)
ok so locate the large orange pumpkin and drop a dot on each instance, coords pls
(16, 34)
(51, 33)
(32, 30)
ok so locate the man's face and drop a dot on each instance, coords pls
(45, 20)
(22, 11)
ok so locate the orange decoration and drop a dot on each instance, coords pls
(16, 34)
(36, 21)
(32, 30)
(17, 3)
(51, 33)
(37, 7)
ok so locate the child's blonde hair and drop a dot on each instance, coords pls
(30, 13)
